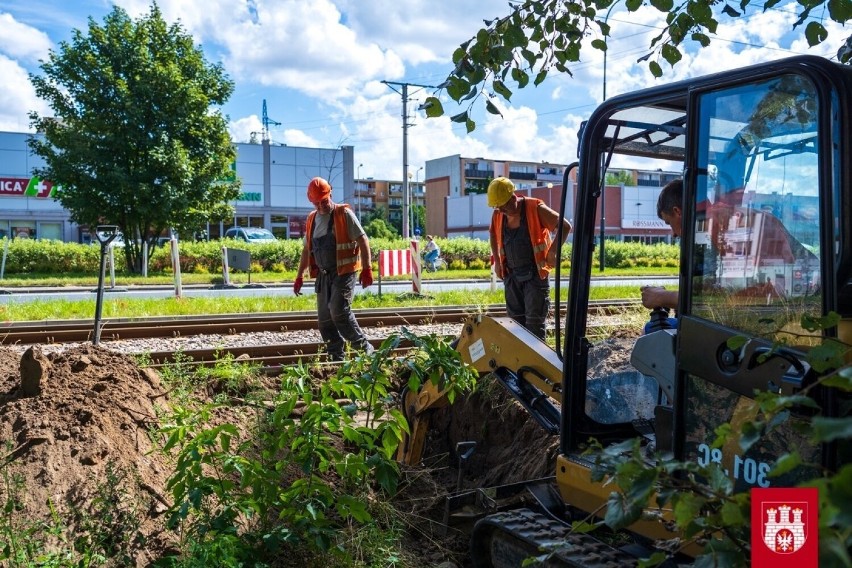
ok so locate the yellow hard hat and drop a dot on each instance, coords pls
(499, 191)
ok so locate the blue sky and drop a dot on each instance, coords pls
(320, 65)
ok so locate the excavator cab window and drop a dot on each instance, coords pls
(763, 153)
(756, 255)
(758, 249)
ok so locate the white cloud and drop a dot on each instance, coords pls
(241, 130)
(305, 46)
(18, 98)
(20, 41)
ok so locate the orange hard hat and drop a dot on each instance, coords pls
(318, 189)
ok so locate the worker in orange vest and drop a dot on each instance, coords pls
(335, 249)
(524, 252)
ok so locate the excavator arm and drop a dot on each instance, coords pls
(529, 369)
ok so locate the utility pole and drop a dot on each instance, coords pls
(406, 193)
(267, 159)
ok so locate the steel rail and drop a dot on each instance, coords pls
(68, 331)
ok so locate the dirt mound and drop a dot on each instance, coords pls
(75, 423)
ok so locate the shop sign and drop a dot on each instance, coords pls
(28, 187)
(643, 224)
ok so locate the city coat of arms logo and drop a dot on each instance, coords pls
(784, 527)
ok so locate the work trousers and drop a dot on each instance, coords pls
(528, 302)
(334, 314)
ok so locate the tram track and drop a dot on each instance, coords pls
(268, 340)
(114, 329)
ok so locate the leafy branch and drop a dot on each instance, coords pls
(539, 37)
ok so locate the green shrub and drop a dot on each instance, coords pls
(205, 257)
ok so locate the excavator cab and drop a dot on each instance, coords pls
(765, 157)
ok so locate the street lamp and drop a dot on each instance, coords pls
(606, 19)
(357, 187)
(603, 186)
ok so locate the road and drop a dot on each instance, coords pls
(10, 295)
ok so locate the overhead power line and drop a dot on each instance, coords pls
(406, 194)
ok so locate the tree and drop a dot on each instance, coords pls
(377, 213)
(539, 36)
(136, 140)
(619, 177)
(418, 212)
(379, 229)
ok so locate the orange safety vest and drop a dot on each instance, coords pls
(348, 259)
(539, 235)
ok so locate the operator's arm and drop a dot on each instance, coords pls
(659, 297)
(549, 219)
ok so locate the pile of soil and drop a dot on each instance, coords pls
(74, 423)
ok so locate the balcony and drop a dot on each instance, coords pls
(475, 173)
(521, 175)
(553, 178)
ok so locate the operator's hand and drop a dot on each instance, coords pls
(297, 286)
(658, 297)
(366, 277)
(498, 270)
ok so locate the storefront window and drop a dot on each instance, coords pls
(51, 231)
(23, 230)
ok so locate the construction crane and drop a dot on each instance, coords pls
(266, 122)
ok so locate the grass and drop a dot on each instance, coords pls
(153, 307)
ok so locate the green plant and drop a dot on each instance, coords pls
(111, 529)
(296, 479)
(22, 540)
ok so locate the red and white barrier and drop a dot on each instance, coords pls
(400, 262)
(415, 266)
(394, 262)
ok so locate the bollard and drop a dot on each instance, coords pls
(226, 272)
(144, 258)
(5, 254)
(176, 266)
(112, 268)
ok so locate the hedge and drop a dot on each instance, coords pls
(54, 257)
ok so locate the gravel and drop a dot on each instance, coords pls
(219, 341)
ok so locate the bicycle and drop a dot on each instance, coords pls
(436, 265)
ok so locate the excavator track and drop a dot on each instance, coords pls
(505, 540)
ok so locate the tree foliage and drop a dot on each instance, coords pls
(619, 177)
(135, 140)
(539, 37)
(379, 229)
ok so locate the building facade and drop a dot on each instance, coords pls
(274, 181)
(372, 194)
(456, 204)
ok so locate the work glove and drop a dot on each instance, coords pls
(366, 277)
(297, 286)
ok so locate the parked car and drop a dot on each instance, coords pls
(250, 234)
